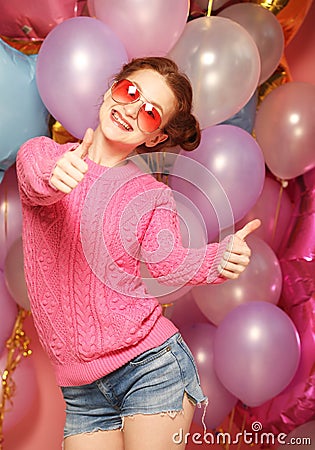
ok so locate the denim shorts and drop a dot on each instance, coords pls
(153, 382)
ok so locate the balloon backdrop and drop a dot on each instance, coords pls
(200, 339)
(262, 280)
(14, 274)
(10, 213)
(285, 129)
(145, 28)
(218, 55)
(22, 113)
(274, 208)
(223, 177)
(9, 311)
(265, 30)
(245, 117)
(193, 236)
(296, 404)
(75, 64)
(256, 352)
(34, 19)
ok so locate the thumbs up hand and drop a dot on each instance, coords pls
(71, 168)
(237, 254)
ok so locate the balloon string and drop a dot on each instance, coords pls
(209, 8)
(242, 432)
(18, 347)
(282, 186)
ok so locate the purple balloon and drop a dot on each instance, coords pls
(200, 339)
(223, 177)
(256, 352)
(74, 67)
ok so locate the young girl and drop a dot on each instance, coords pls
(90, 216)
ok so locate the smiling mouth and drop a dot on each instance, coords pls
(120, 121)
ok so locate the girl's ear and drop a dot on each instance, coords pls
(153, 141)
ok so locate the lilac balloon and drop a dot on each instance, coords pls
(256, 352)
(8, 315)
(262, 280)
(227, 172)
(147, 28)
(200, 339)
(222, 61)
(266, 31)
(75, 64)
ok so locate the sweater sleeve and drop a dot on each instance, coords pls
(165, 256)
(35, 162)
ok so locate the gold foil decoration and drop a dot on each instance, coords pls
(26, 47)
(61, 135)
(280, 76)
(17, 348)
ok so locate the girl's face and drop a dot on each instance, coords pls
(119, 123)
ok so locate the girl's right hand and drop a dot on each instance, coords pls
(71, 168)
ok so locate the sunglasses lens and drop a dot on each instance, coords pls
(149, 118)
(125, 92)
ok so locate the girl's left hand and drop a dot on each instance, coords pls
(237, 255)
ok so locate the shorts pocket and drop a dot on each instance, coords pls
(150, 355)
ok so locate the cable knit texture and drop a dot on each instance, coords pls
(82, 254)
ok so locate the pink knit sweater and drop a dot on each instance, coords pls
(82, 255)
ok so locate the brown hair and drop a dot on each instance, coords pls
(182, 128)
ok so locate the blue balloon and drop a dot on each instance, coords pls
(245, 117)
(22, 112)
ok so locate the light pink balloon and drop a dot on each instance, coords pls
(274, 221)
(285, 129)
(200, 339)
(8, 313)
(14, 274)
(264, 28)
(262, 280)
(146, 28)
(26, 392)
(10, 213)
(256, 352)
(34, 19)
(223, 64)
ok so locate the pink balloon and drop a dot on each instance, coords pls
(262, 280)
(34, 19)
(14, 274)
(274, 208)
(8, 315)
(266, 31)
(185, 312)
(285, 129)
(26, 392)
(223, 177)
(222, 61)
(145, 28)
(75, 64)
(10, 213)
(256, 352)
(200, 339)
